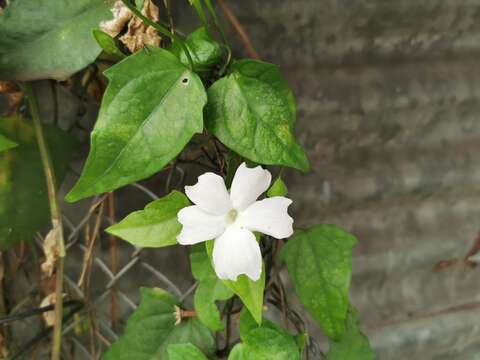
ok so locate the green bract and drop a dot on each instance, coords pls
(24, 207)
(150, 110)
(49, 38)
(156, 225)
(210, 289)
(353, 345)
(278, 188)
(6, 143)
(253, 112)
(108, 44)
(205, 52)
(151, 329)
(249, 291)
(319, 264)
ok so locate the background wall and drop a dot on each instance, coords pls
(388, 97)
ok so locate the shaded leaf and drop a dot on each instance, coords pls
(49, 39)
(156, 225)
(209, 290)
(278, 188)
(205, 51)
(108, 44)
(266, 343)
(319, 262)
(353, 345)
(151, 329)
(6, 143)
(252, 111)
(185, 352)
(237, 353)
(150, 110)
(24, 207)
(249, 291)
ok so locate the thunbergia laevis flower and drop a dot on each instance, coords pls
(231, 218)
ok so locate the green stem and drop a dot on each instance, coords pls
(201, 14)
(216, 21)
(161, 29)
(55, 215)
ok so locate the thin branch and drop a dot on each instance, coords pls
(56, 217)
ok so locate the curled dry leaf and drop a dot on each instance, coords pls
(49, 316)
(51, 249)
(138, 34)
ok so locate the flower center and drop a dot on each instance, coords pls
(231, 216)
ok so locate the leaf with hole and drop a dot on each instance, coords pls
(49, 39)
(210, 288)
(151, 329)
(151, 108)
(252, 111)
(156, 225)
(319, 262)
(24, 207)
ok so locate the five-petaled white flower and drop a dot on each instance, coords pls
(231, 218)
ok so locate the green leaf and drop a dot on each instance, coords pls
(265, 343)
(24, 207)
(151, 329)
(237, 353)
(205, 51)
(6, 143)
(252, 111)
(353, 345)
(319, 262)
(210, 289)
(249, 291)
(151, 109)
(278, 188)
(49, 38)
(156, 225)
(184, 352)
(108, 44)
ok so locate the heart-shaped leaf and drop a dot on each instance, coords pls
(49, 38)
(252, 111)
(151, 109)
(319, 262)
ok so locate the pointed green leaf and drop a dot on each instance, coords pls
(249, 291)
(205, 51)
(319, 262)
(185, 352)
(49, 39)
(108, 44)
(24, 207)
(6, 143)
(265, 343)
(154, 226)
(210, 289)
(252, 111)
(237, 353)
(353, 345)
(151, 329)
(278, 188)
(151, 108)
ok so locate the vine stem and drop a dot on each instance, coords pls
(161, 29)
(55, 215)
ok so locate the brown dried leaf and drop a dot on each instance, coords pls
(139, 34)
(51, 249)
(49, 316)
(121, 16)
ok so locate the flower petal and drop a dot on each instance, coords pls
(268, 216)
(248, 184)
(210, 194)
(237, 252)
(198, 225)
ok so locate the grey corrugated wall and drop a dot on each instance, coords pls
(389, 112)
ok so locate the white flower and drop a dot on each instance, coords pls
(231, 218)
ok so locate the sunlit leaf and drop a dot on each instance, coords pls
(184, 352)
(278, 188)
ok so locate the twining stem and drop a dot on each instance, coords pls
(55, 215)
(161, 29)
